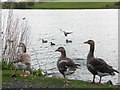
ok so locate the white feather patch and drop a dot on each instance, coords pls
(102, 74)
(20, 65)
(65, 61)
(69, 72)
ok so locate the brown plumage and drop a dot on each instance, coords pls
(65, 65)
(97, 66)
(23, 57)
(22, 61)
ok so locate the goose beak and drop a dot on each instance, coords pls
(86, 42)
(56, 50)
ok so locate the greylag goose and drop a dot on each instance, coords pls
(22, 61)
(68, 41)
(97, 66)
(66, 33)
(44, 41)
(51, 43)
(65, 65)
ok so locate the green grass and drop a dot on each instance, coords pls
(62, 5)
(72, 5)
(45, 82)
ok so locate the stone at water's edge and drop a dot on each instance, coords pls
(55, 75)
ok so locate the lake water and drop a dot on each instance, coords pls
(101, 25)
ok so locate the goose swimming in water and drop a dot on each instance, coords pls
(97, 66)
(51, 43)
(23, 18)
(65, 65)
(22, 61)
(68, 41)
(44, 41)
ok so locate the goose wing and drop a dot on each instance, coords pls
(101, 66)
(22, 57)
(66, 65)
(98, 61)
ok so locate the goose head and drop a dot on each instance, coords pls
(22, 45)
(60, 49)
(90, 42)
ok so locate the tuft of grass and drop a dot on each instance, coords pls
(46, 82)
(38, 72)
(6, 66)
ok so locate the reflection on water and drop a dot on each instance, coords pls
(99, 25)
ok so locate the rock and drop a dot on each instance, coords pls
(57, 75)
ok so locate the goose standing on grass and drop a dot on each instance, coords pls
(22, 61)
(65, 65)
(97, 66)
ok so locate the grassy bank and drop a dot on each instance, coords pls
(61, 5)
(45, 82)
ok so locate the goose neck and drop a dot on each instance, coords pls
(63, 54)
(91, 52)
(24, 48)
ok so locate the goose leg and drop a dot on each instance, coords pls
(65, 80)
(23, 74)
(14, 74)
(30, 69)
(93, 79)
(100, 80)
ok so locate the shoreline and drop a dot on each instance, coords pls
(45, 82)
